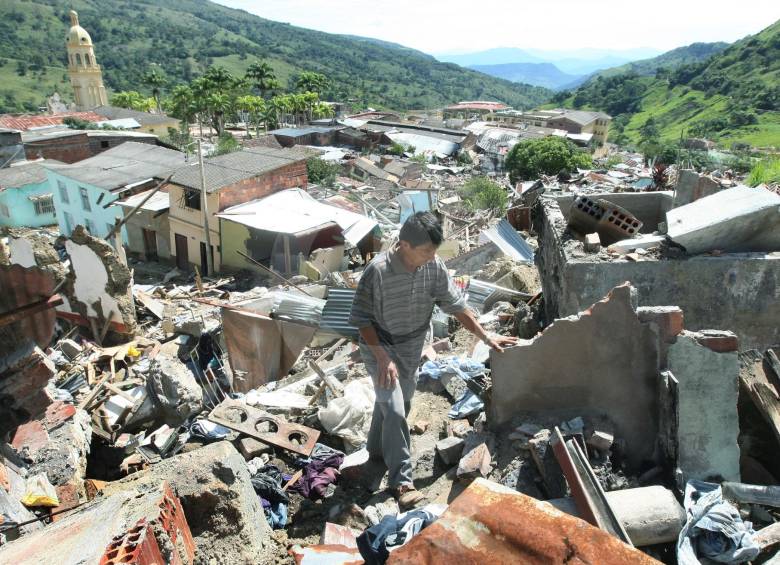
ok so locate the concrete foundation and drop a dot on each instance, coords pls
(220, 505)
(733, 291)
(650, 515)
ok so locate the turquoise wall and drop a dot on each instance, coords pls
(21, 210)
(72, 213)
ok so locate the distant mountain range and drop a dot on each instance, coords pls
(538, 74)
(573, 62)
(562, 71)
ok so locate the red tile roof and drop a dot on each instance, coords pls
(29, 121)
(478, 105)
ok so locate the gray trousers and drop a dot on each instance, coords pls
(388, 436)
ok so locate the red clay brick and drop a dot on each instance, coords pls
(31, 436)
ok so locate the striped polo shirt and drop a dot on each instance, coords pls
(400, 302)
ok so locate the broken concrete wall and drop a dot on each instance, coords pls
(220, 504)
(692, 186)
(737, 292)
(97, 285)
(603, 362)
(706, 367)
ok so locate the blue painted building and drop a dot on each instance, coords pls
(84, 190)
(25, 195)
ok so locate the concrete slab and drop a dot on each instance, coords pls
(223, 511)
(650, 515)
(707, 420)
(733, 220)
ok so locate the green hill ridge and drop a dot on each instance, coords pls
(732, 96)
(186, 36)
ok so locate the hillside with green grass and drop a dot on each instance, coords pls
(686, 55)
(731, 97)
(184, 37)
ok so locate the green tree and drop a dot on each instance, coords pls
(132, 100)
(262, 77)
(181, 104)
(481, 193)
(546, 156)
(322, 172)
(254, 106)
(649, 131)
(155, 79)
(311, 82)
(226, 143)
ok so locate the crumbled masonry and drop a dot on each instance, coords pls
(158, 405)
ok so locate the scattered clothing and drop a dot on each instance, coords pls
(267, 483)
(464, 368)
(208, 430)
(276, 514)
(714, 529)
(376, 543)
(322, 470)
(466, 405)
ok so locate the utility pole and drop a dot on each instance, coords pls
(205, 207)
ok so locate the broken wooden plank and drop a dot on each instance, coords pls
(85, 404)
(294, 479)
(156, 307)
(332, 383)
(768, 536)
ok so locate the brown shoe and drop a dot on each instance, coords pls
(408, 497)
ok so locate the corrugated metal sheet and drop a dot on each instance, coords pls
(509, 242)
(298, 308)
(478, 293)
(335, 315)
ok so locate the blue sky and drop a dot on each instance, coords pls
(447, 26)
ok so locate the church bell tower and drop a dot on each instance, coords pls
(85, 74)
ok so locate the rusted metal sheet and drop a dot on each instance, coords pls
(265, 427)
(591, 501)
(490, 523)
(326, 555)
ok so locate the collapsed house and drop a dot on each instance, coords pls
(199, 418)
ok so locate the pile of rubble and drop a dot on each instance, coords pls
(194, 419)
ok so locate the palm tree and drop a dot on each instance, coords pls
(155, 79)
(181, 103)
(254, 106)
(262, 77)
(218, 105)
(311, 82)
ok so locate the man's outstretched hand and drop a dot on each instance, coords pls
(499, 342)
(388, 372)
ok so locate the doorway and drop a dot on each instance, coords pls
(150, 245)
(182, 254)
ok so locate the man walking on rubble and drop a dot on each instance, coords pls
(392, 311)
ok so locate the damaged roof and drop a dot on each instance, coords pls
(143, 118)
(295, 211)
(124, 164)
(29, 172)
(231, 168)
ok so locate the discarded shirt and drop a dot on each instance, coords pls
(376, 543)
(318, 474)
(465, 368)
(466, 405)
(714, 529)
(267, 483)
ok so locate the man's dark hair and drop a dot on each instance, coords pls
(420, 229)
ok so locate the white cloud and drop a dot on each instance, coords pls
(438, 26)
